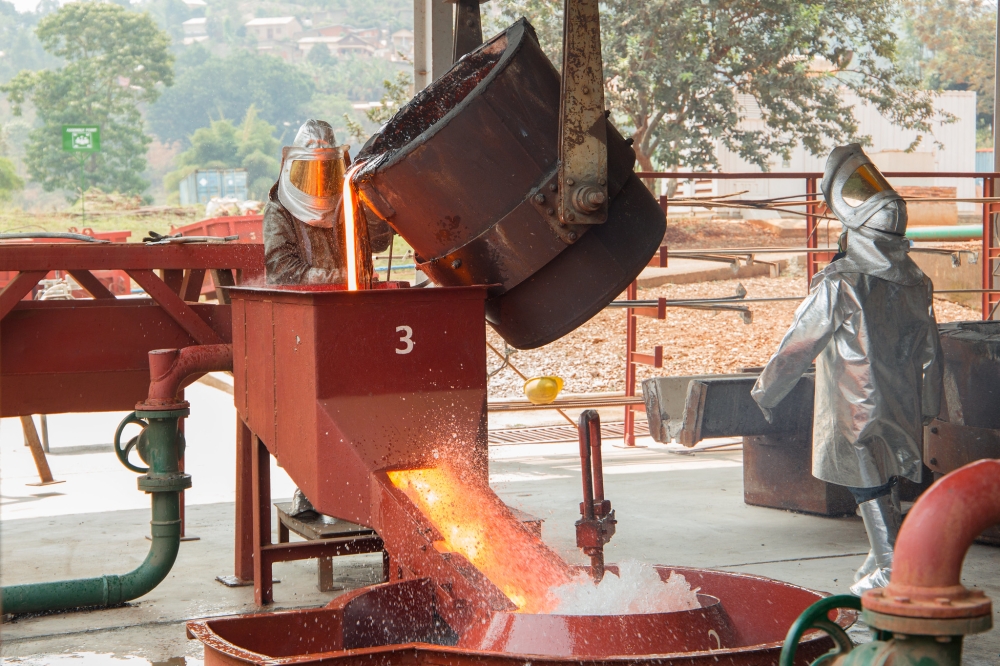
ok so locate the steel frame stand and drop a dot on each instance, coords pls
(991, 251)
(634, 358)
(255, 553)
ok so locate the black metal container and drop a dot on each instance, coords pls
(466, 172)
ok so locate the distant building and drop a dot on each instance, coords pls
(342, 44)
(195, 30)
(402, 43)
(956, 152)
(274, 29)
(195, 4)
(200, 186)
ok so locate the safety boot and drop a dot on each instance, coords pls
(882, 521)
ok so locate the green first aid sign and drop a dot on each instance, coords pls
(81, 138)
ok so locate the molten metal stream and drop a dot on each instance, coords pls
(350, 228)
(475, 523)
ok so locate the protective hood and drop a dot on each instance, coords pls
(311, 183)
(879, 254)
(857, 192)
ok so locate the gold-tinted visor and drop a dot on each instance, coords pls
(864, 183)
(318, 178)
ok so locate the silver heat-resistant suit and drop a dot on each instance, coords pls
(868, 322)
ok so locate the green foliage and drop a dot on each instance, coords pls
(950, 45)
(20, 47)
(168, 14)
(228, 87)
(356, 78)
(222, 145)
(320, 56)
(115, 60)
(396, 93)
(683, 76)
(10, 182)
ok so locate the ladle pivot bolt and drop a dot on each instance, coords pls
(588, 198)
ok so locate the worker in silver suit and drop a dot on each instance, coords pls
(868, 322)
(303, 231)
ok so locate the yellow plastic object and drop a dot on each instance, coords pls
(542, 390)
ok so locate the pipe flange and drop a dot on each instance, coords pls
(175, 410)
(924, 626)
(170, 483)
(930, 603)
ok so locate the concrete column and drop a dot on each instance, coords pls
(433, 26)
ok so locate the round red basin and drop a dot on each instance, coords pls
(743, 620)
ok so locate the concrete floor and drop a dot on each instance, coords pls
(672, 507)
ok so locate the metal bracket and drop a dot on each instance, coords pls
(468, 28)
(545, 199)
(583, 136)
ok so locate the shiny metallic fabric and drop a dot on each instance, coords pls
(878, 375)
(882, 521)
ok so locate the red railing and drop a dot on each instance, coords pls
(815, 257)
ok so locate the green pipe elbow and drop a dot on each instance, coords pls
(109, 590)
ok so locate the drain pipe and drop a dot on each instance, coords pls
(160, 445)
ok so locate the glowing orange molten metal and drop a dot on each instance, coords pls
(350, 229)
(476, 524)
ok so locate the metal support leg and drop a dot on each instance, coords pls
(262, 586)
(244, 501)
(35, 445)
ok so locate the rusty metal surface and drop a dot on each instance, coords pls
(971, 373)
(777, 473)
(583, 136)
(458, 173)
(399, 623)
(931, 546)
(468, 28)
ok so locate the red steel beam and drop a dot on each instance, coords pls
(174, 306)
(93, 286)
(130, 256)
(17, 289)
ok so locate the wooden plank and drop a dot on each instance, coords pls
(178, 310)
(94, 287)
(41, 463)
(17, 289)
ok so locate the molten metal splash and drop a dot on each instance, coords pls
(350, 229)
(476, 524)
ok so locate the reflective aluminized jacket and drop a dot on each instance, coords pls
(869, 324)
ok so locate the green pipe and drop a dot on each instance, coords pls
(159, 445)
(958, 232)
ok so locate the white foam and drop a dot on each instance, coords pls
(637, 589)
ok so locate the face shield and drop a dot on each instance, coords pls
(311, 184)
(858, 194)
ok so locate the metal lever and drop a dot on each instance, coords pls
(468, 28)
(597, 525)
(583, 135)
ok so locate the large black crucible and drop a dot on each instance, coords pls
(466, 172)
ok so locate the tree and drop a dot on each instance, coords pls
(683, 76)
(228, 87)
(397, 93)
(320, 56)
(115, 60)
(21, 49)
(953, 42)
(10, 182)
(222, 145)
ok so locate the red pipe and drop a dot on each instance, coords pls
(930, 549)
(170, 370)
